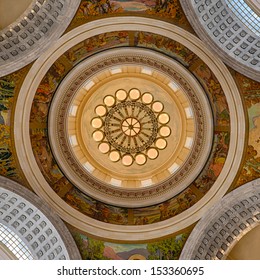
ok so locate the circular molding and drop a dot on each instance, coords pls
(35, 223)
(27, 38)
(188, 169)
(111, 231)
(223, 32)
(224, 224)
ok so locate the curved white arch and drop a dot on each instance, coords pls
(39, 230)
(24, 40)
(222, 31)
(225, 224)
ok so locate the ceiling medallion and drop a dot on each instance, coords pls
(131, 127)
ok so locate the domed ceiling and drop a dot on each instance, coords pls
(128, 126)
(74, 158)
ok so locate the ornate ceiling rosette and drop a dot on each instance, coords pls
(89, 68)
(126, 125)
(110, 138)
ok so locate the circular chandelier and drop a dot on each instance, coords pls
(131, 127)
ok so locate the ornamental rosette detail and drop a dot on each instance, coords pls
(131, 127)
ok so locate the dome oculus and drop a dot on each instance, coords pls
(134, 127)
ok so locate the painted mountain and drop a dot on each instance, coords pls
(111, 254)
(127, 255)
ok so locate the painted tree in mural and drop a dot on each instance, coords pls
(251, 168)
(7, 86)
(251, 94)
(6, 89)
(94, 250)
(168, 249)
(90, 249)
(97, 7)
(161, 3)
(167, 8)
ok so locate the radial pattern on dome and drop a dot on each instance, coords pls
(131, 126)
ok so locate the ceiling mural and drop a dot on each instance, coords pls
(251, 90)
(167, 249)
(9, 88)
(87, 203)
(7, 96)
(169, 9)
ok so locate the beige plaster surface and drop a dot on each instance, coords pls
(248, 247)
(11, 10)
(5, 253)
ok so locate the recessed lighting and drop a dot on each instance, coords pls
(96, 122)
(134, 94)
(157, 106)
(73, 140)
(188, 112)
(174, 168)
(104, 148)
(140, 159)
(98, 135)
(161, 143)
(109, 100)
(114, 156)
(165, 131)
(127, 160)
(147, 98)
(189, 142)
(152, 153)
(101, 110)
(163, 118)
(88, 85)
(173, 86)
(121, 95)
